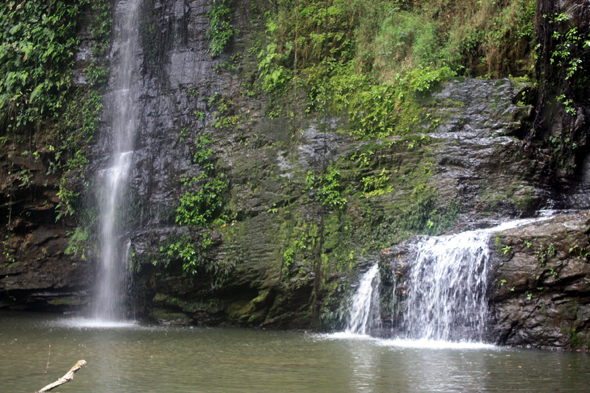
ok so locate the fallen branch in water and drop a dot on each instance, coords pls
(66, 378)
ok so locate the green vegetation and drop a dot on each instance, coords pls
(224, 116)
(203, 208)
(221, 31)
(391, 37)
(194, 257)
(373, 61)
(377, 185)
(37, 95)
(326, 188)
(80, 121)
(37, 51)
(564, 39)
(77, 242)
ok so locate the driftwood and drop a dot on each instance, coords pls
(66, 378)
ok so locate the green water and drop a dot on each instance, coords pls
(172, 360)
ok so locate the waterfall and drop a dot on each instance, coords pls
(447, 296)
(113, 180)
(441, 295)
(447, 284)
(364, 303)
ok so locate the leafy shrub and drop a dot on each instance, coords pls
(203, 207)
(326, 187)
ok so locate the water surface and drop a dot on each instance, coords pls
(133, 358)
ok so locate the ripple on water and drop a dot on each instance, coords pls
(135, 358)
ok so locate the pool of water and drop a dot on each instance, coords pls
(134, 358)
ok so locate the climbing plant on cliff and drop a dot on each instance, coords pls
(37, 95)
(202, 207)
(221, 32)
(372, 60)
(81, 115)
(326, 188)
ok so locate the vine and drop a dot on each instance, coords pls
(37, 52)
(81, 117)
(203, 208)
(221, 31)
(38, 96)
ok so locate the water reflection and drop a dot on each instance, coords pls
(153, 359)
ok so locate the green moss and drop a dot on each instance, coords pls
(239, 310)
(247, 311)
(65, 302)
(171, 317)
(186, 306)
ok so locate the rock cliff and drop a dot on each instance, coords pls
(277, 255)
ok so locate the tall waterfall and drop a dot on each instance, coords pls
(364, 303)
(446, 299)
(113, 181)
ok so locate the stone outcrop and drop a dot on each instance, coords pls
(540, 289)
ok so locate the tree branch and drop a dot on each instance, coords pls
(66, 378)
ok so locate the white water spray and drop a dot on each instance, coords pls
(110, 287)
(363, 302)
(447, 297)
(446, 304)
(448, 284)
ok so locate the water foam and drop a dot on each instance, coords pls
(93, 323)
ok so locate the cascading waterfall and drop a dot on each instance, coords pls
(447, 296)
(113, 182)
(364, 305)
(446, 285)
(448, 281)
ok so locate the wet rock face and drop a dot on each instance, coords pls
(394, 269)
(473, 157)
(470, 156)
(540, 293)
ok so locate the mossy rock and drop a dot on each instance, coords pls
(164, 317)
